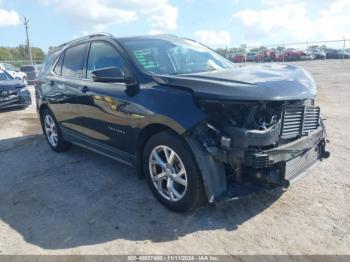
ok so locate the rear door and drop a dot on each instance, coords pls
(67, 97)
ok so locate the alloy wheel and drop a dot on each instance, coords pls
(51, 130)
(168, 173)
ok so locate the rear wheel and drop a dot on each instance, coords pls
(172, 172)
(52, 132)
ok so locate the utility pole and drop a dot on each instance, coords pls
(26, 24)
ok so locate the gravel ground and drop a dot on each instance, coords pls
(83, 203)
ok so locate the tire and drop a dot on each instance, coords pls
(55, 140)
(169, 165)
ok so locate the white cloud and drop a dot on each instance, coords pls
(96, 15)
(155, 32)
(9, 18)
(166, 18)
(215, 38)
(292, 21)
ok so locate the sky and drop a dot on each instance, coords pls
(217, 23)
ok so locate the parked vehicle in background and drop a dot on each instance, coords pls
(317, 53)
(198, 127)
(14, 72)
(237, 57)
(13, 93)
(266, 56)
(292, 54)
(31, 73)
(280, 57)
(337, 53)
(306, 55)
(332, 53)
(251, 57)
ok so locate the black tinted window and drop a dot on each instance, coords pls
(49, 62)
(58, 67)
(73, 62)
(103, 55)
(27, 68)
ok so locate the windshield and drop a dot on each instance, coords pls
(10, 67)
(180, 56)
(5, 76)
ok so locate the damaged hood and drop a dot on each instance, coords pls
(274, 82)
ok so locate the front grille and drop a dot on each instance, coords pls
(297, 121)
(261, 161)
(8, 93)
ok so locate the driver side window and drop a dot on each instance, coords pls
(103, 55)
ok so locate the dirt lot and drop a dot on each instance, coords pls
(83, 203)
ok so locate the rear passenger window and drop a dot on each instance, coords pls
(103, 55)
(73, 62)
(58, 66)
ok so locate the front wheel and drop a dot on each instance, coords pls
(172, 172)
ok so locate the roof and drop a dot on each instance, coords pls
(88, 37)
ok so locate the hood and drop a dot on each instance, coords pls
(10, 85)
(274, 82)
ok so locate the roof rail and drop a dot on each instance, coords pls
(79, 39)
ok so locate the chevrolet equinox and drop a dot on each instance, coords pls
(199, 128)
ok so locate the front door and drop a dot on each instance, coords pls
(105, 117)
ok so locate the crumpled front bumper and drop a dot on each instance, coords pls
(289, 160)
(21, 99)
(255, 169)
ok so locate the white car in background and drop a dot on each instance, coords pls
(14, 72)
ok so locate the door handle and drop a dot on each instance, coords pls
(84, 89)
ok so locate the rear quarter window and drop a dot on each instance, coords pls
(58, 66)
(49, 62)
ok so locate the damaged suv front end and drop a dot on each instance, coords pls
(257, 135)
(263, 144)
(249, 128)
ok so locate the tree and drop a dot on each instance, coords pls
(280, 48)
(20, 53)
(5, 54)
(258, 49)
(38, 53)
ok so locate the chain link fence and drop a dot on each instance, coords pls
(285, 52)
(19, 63)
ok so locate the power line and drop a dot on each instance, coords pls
(26, 24)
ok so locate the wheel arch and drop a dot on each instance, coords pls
(146, 133)
(42, 108)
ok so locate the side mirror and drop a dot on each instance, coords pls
(109, 75)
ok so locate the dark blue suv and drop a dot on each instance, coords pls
(199, 128)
